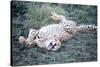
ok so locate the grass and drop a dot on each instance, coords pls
(81, 48)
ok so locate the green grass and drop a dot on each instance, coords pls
(81, 48)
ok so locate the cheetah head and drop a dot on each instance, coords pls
(52, 44)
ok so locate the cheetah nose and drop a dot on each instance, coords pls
(53, 47)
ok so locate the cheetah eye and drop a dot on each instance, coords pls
(35, 37)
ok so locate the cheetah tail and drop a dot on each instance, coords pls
(87, 28)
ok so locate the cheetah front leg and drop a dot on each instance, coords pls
(30, 40)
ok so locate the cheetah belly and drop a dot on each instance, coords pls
(55, 29)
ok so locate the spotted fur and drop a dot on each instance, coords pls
(51, 36)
